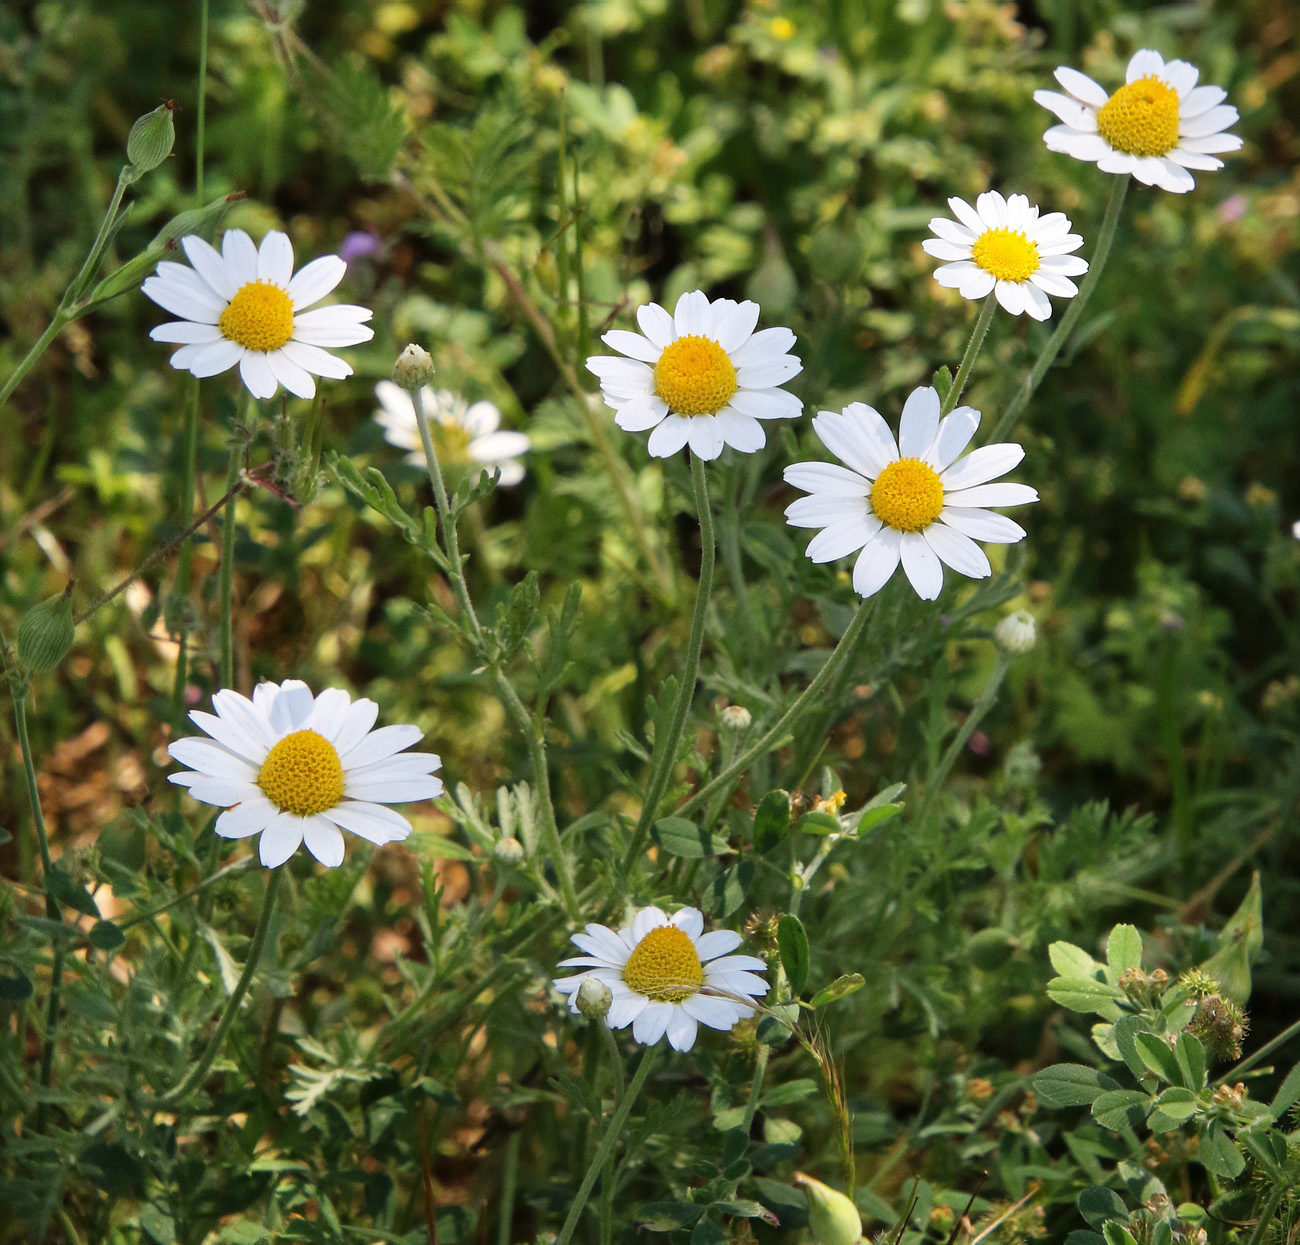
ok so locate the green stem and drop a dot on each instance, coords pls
(33, 792)
(235, 466)
(509, 1182)
(949, 759)
(201, 100)
(83, 278)
(732, 560)
(755, 1089)
(665, 753)
(972, 353)
(184, 566)
(607, 1146)
(1058, 339)
(213, 1048)
(809, 698)
(531, 731)
(52, 330)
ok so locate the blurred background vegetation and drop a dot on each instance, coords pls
(508, 180)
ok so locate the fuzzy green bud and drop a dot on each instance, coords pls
(150, 141)
(46, 632)
(832, 1217)
(1016, 633)
(414, 368)
(594, 999)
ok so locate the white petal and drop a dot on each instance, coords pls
(1211, 122)
(1118, 162)
(992, 495)
(955, 432)
(1081, 146)
(984, 525)
(403, 765)
(715, 943)
(240, 254)
(946, 250)
(379, 744)
(257, 375)
(656, 324)
(736, 326)
(1063, 265)
(986, 463)
(858, 437)
(181, 300)
(187, 332)
(316, 280)
(1074, 114)
(290, 375)
(624, 1011)
(704, 437)
(1201, 100)
(371, 821)
(1181, 76)
(690, 921)
(992, 208)
(1081, 86)
(921, 565)
(681, 1030)
(360, 718)
(827, 478)
(967, 215)
(323, 841)
(224, 792)
(764, 345)
(250, 817)
(647, 919)
(497, 447)
(821, 510)
(738, 983)
(275, 264)
(332, 326)
(209, 757)
(920, 422)
(1211, 143)
(245, 718)
(767, 374)
(216, 357)
(669, 436)
(691, 315)
(1036, 301)
(1174, 177)
(715, 1012)
(877, 562)
(633, 345)
(1053, 283)
(1194, 160)
(641, 413)
(1144, 63)
(210, 266)
(842, 538)
(1011, 296)
(313, 359)
(950, 231)
(231, 738)
(652, 1023)
(280, 840)
(741, 432)
(741, 964)
(766, 404)
(290, 705)
(958, 551)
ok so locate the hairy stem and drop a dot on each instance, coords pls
(972, 353)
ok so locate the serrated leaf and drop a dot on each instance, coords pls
(1157, 1055)
(771, 821)
(1121, 1108)
(840, 988)
(1071, 1085)
(679, 837)
(792, 939)
(1123, 949)
(1071, 961)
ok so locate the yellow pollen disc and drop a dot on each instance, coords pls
(694, 376)
(1006, 253)
(907, 495)
(451, 440)
(665, 966)
(302, 774)
(1141, 118)
(259, 317)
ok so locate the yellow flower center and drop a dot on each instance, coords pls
(1141, 118)
(259, 317)
(1006, 253)
(665, 966)
(451, 440)
(302, 774)
(907, 495)
(694, 376)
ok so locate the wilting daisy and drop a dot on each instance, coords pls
(700, 377)
(245, 305)
(1156, 126)
(294, 767)
(1004, 245)
(666, 976)
(462, 434)
(912, 500)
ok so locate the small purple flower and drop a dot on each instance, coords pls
(359, 244)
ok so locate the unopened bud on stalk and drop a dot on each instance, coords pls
(736, 718)
(151, 140)
(508, 850)
(1016, 633)
(594, 999)
(414, 367)
(832, 1217)
(46, 632)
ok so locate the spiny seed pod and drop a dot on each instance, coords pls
(46, 633)
(151, 140)
(1220, 1024)
(832, 1217)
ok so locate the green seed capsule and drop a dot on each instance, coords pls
(45, 634)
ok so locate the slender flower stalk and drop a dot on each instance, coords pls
(531, 731)
(607, 1145)
(1055, 343)
(665, 753)
(809, 698)
(216, 1041)
(982, 322)
(238, 445)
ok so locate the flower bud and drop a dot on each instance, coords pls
(414, 367)
(509, 851)
(1016, 633)
(832, 1217)
(594, 999)
(151, 140)
(736, 718)
(45, 633)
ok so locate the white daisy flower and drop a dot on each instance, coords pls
(1157, 126)
(294, 767)
(666, 976)
(700, 377)
(245, 305)
(462, 434)
(912, 500)
(1003, 245)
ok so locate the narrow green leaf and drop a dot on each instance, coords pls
(792, 939)
(840, 988)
